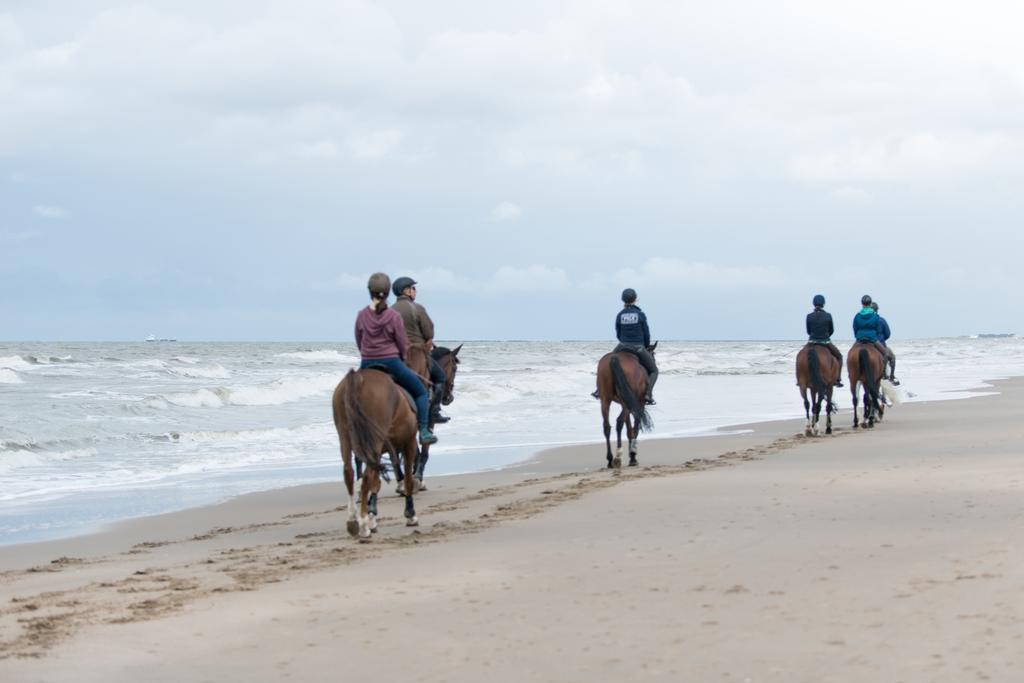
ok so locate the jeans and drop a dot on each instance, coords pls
(406, 379)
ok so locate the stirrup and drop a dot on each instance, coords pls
(596, 394)
(649, 401)
(895, 382)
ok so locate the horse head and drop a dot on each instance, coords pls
(448, 359)
(652, 347)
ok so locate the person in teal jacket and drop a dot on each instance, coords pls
(867, 326)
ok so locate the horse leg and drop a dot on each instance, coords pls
(828, 412)
(364, 512)
(817, 412)
(869, 414)
(632, 429)
(618, 432)
(421, 465)
(350, 481)
(623, 419)
(853, 391)
(410, 484)
(807, 411)
(607, 430)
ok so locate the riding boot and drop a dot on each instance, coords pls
(435, 406)
(892, 373)
(597, 393)
(652, 378)
(426, 438)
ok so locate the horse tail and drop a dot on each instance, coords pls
(629, 399)
(814, 367)
(367, 436)
(867, 374)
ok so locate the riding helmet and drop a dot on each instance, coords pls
(628, 295)
(819, 300)
(401, 283)
(379, 285)
(865, 300)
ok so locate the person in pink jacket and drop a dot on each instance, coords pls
(383, 343)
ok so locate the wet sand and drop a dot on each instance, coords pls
(888, 555)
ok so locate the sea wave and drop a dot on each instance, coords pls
(20, 458)
(10, 377)
(320, 356)
(16, 363)
(274, 393)
(214, 371)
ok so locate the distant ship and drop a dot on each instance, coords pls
(996, 335)
(154, 338)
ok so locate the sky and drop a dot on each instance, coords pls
(235, 170)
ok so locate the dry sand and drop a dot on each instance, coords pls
(889, 555)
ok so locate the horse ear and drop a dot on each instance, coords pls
(654, 346)
(455, 351)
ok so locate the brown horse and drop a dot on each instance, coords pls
(866, 365)
(373, 416)
(419, 362)
(622, 379)
(816, 370)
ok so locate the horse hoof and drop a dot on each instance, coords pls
(400, 490)
(807, 432)
(353, 527)
(828, 431)
(617, 463)
(412, 521)
(633, 462)
(365, 539)
(610, 466)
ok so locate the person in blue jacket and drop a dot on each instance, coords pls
(867, 326)
(635, 337)
(883, 337)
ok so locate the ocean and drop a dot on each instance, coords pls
(92, 433)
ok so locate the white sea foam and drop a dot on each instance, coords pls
(283, 390)
(202, 372)
(20, 459)
(15, 363)
(10, 377)
(320, 356)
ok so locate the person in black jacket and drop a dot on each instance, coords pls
(820, 331)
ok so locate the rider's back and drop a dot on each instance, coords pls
(380, 334)
(418, 325)
(631, 327)
(865, 325)
(819, 325)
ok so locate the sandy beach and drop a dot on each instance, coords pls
(886, 555)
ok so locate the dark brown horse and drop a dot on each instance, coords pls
(373, 416)
(419, 362)
(866, 365)
(816, 371)
(622, 379)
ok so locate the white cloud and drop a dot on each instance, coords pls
(23, 236)
(660, 272)
(51, 212)
(850, 193)
(506, 211)
(535, 278)
(376, 144)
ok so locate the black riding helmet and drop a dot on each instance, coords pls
(819, 300)
(628, 295)
(401, 284)
(865, 300)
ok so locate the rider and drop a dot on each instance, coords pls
(867, 326)
(420, 330)
(820, 331)
(382, 343)
(883, 337)
(635, 337)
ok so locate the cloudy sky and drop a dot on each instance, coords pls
(222, 169)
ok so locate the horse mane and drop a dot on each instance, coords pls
(440, 352)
